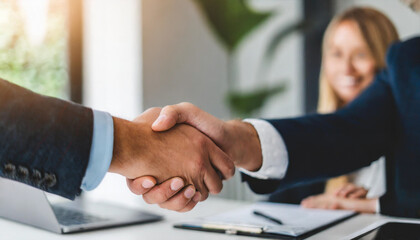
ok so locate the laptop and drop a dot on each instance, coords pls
(28, 205)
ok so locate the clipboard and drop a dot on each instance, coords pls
(243, 222)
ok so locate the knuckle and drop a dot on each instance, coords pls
(138, 190)
(231, 171)
(204, 196)
(184, 210)
(163, 196)
(155, 197)
(169, 108)
(131, 186)
(189, 207)
(217, 190)
(176, 205)
(186, 105)
(154, 109)
(198, 165)
(180, 202)
(163, 206)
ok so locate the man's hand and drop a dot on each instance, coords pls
(182, 152)
(236, 138)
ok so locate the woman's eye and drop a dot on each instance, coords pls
(336, 54)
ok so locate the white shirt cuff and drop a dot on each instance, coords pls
(100, 151)
(378, 206)
(274, 153)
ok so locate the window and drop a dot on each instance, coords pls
(33, 45)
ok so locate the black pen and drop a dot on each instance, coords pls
(278, 221)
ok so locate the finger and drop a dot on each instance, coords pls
(359, 193)
(334, 206)
(180, 200)
(352, 190)
(192, 203)
(323, 205)
(346, 190)
(191, 115)
(309, 203)
(202, 189)
(221, 161)
(200, 186)
(168, 117)
(212, 180)
(306, 203)
(141, 185)
(164, 191)
(340, 191)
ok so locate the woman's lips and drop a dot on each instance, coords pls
(348, 82)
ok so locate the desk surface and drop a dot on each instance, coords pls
(164, 229)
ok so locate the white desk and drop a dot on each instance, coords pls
(164, 229)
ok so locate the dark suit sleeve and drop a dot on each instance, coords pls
(44, 142)
(324, 146)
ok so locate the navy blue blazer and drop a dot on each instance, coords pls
(44, 142)
(383, 120)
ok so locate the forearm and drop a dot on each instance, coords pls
(45, 136)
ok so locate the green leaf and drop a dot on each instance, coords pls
(276, 41)
(245, 103)
(231, 20)
(278, 38)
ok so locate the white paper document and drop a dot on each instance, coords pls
(295, 219)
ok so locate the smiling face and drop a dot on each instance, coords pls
(349, 64)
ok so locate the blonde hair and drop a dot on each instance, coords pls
(377, 31)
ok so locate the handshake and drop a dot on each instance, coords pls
(177, 155)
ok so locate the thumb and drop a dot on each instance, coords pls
(190, 114)
(168, 117)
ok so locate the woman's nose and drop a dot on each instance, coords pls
(348, 66)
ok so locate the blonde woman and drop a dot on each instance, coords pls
(354, 49)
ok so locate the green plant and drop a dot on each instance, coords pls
(39, 67)
(232, 21)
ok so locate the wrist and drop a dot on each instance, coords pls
(128, 146)
(244, 145)
(120, 131)
(359, 205)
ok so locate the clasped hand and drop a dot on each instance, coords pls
(192, 147)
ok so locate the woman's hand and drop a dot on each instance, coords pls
(351, 191)
(327, 201)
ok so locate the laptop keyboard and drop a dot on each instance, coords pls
(68, 217)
